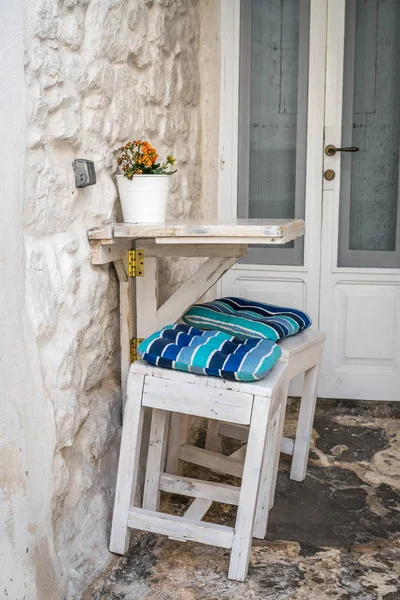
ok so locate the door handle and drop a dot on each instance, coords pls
(331, 150)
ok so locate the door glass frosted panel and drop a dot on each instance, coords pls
(371, 121)
(273, 117)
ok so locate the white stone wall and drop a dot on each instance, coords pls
(27, 557)
(98, 73)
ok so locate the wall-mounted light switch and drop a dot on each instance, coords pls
(85, 173)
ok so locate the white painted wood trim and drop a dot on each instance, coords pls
(287, 446)
(189, 399)
(196, 511)
(213, 438)
(127, 325)
(262, 387)
(155, 458)
(146, 299)
(288, 237)
(241, 432)
(229, 108)
(177, 231)
(171, 525)
(211, 460)
(127, 465)
(240, 553)
(190, 249)
(197, 488)
(193, 289)
(236, 432)
(102, 254)
(178, 433)
(305, 425)
(266, 478)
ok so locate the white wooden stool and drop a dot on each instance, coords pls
(302, 353)
(260, 405)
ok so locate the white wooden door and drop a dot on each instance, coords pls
(360, 244)
(271, 140)
(299, 75)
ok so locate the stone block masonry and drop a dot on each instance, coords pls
(98, 73)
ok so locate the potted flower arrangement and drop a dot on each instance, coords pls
(144, 183)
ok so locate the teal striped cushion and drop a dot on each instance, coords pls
(209, 353)
(245, 318)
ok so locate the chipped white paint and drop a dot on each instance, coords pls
(284, 230)
(163, 390)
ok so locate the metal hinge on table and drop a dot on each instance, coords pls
(136, 263)
(134, 346)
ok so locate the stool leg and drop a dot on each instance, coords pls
(266, 477)
(240, 553)
(304, 425)
(155, 458)
(177, 436)
(270, 466)
(128, 464)
(281, 424)
(213, 439)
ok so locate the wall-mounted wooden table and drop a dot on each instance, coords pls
(223, 243)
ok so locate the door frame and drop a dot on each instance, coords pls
(229, 140)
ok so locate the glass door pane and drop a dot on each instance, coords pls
(369, 202)
(273, 118)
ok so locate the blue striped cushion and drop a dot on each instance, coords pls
(245, 318)
(209, 353)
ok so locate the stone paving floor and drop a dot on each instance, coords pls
(336, 536)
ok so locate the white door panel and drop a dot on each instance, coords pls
(256, 286)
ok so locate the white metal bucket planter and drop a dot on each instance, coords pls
(144, 199)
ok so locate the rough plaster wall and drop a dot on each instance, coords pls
(27, 436)
(98, 72)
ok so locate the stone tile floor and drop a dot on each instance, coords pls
(336, 536)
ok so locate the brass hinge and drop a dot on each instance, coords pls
(136, 263)
(134, 346)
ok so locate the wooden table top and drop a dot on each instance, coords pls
(186, 231)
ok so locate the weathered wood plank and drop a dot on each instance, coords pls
(171, 525)
(193, 289)
(101, 233)
(102, 254)
(189, 399)
(211, 460)
(230, 228)
(127, 465)
(155, 458)
(191, 249)
(197, 488)
(241, 544)
(127, 321)
(178, 432)
(198, 509)
(195, 512)
(225, 240)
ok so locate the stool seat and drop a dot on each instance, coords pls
(259, 405)
(262, 387)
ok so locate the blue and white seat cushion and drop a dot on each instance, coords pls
(245, 318)
(209, 353)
